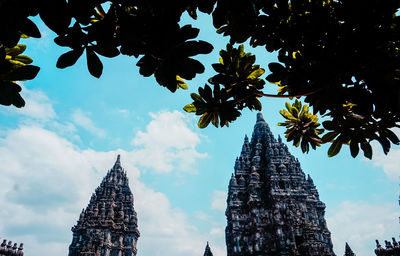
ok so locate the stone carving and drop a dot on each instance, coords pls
(108, 225)
(272, 209)
(8, 249)
(392, 249)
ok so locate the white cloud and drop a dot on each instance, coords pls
(86, 123)
(167, 143)
(37, 106)
(46, 181)
(360, 223)
(390, 162)
(218, 200)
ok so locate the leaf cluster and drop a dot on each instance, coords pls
(14, 66)
(237, 85)
(334, 53)
(342, 56)
(301, 126)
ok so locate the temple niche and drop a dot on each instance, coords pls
(108, 225)
(272, 208)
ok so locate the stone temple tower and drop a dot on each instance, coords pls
(108, 225)
(272, 208)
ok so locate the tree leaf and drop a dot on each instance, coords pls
(9, 94)
(196, 97)
(334, 149)
(24, 59)
(22, 73)
(204, 121)
(69, 58)
(328, 137)
(93, 62)
(55, 14)
(366, 147)
(30, 29)
(392, 136)
(276, 67)
(16, 50)
(354, 149)
(106, 50)
(190, 108)
(180, 83)
(256, 73)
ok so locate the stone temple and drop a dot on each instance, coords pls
(272, 208)
(108, 225)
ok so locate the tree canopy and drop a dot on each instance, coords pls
(340, 56)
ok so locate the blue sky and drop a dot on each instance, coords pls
(56, 150)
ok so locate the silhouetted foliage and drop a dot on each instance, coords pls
(342, 56)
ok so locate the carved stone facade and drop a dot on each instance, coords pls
(108, 225)
(392, 249)
(8, 249)
(272, 209)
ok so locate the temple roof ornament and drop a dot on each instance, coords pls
(207, 251)
(348, 251)
(8, 249)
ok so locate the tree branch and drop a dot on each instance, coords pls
(287, 96)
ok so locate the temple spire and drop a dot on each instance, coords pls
(207, 251)
(109, 220)
(348, 251)
(260, 117)
(117, 162)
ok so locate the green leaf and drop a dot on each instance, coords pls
(354, 149)
(288, 106)
(55, 15)
(196, 97)
(366, 147)
(391, 136)
(205, 120)
(180, 83)
(297, 104)
(276, 67)
(256, 73)
(27, 72)
(29, 28)
(334, 149)
(94, 64)
(106, 51)
(329, 125)
(16, 50)
(190, 108)
(329, 137)
(9, 94)
(69, 58)
(24, 59)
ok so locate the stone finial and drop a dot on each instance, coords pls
(348, 251)
(279, 138)
(118, 161)
(260, 117)
(207, 251)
